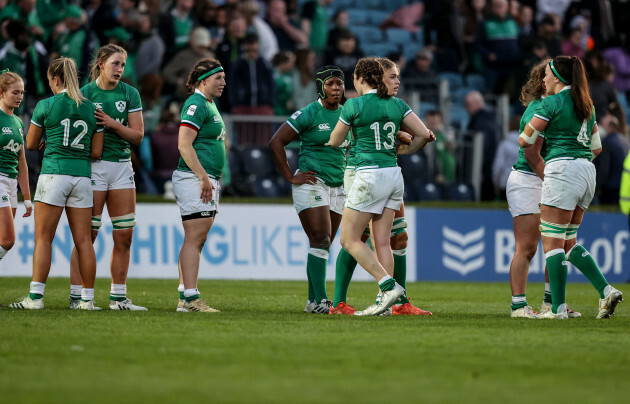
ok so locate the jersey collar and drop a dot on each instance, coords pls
(372, 91)
(565, 88)
(320, 102)
(198, 91)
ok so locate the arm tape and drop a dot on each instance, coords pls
(596, 141)
(530, 139)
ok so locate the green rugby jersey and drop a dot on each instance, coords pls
(11, 142)
(375, 123)
(202, 116)
(117, 103)
(69, 129)
(521, 163)
(313, 124)
(566, 137)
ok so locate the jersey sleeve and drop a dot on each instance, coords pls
(546, 110)
(135, 104)
(405, 109)
(40, 114)
(348, 113)
(193, 115)
(300, 120)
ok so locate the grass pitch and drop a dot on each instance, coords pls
(263, 349)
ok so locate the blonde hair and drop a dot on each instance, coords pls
(66, 70)
(104, 53)
(7, 79)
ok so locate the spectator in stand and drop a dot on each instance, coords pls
(304, 91)
(345, 55)
(175, 26)
(507, 154)
(498, 44)
(101, 17)
(252, 91)
(603, 93)
(340, 19)
(27, 58)
(268, 44)
(449, 46)
(420, 76)
(284, 64)
(73, 39)
(609, 163)
(50, 13)
(473, 13)
(445, 160)
(150, 47)
(164, 148)
(315, 24)
(175, 72)
(572, 44)
(230, 50)
(619, 58)
(218, 27)
(286, 29)
(483, 119)
(24, 11)
(127, 13)
(548, 32)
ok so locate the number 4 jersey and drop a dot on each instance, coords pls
(69, 129)
(565, 135)
(11, 142)
(375, 123)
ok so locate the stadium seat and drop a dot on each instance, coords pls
(476, 81)
(257, 161)
(378, 49)
(267, 187)
(343, 4)
(459, 116)
(367, 34)
(391, 5)
(461, 192)
(398, 36)
(411, 193)
(455, 80)
(235, 162)
(410, 49)
(426, 106)
(358, 16)
(372, 4)
(429, 191)
(413, 166)
(457, 96)
(376, 17)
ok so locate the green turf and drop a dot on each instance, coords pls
(263, 349)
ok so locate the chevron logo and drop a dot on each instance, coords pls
(463, 253)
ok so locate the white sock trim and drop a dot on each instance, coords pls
(87, 294)
(191, 292)
(607, 290)
(554, 252)
(400, 253)
(519, 299)
(118, 290)
(571, 250)
(384, 279)
(319, 253)
(37, 288)
(547, 287)
(181, 287)
(3, 252)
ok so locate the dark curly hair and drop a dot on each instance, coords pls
(370, 70)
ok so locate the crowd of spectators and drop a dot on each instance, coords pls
(270, 50)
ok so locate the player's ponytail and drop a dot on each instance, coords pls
(570, 70)
(533, 89)
(66, 70)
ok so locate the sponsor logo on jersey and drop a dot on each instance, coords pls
(7, 131)
(463, 253)
(191, 110)
(21, 132)
(324, 126)
(120, 105)
(296, 114)
(217, 119)
(98, 105)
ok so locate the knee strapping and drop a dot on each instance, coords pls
(96, 222)
(553, 230)
(124, 222)
(399, 226)
(319, 252)
(571, 231)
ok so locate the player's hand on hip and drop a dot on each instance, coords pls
(206, 189)
(307, 177)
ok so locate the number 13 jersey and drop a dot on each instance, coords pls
(375, 123)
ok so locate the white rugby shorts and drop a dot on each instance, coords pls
(64, 190)
(523, 193)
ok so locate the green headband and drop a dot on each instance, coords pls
(4, 71)
(210, 73)
(555, 73)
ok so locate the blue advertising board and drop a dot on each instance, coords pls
(478, 245)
